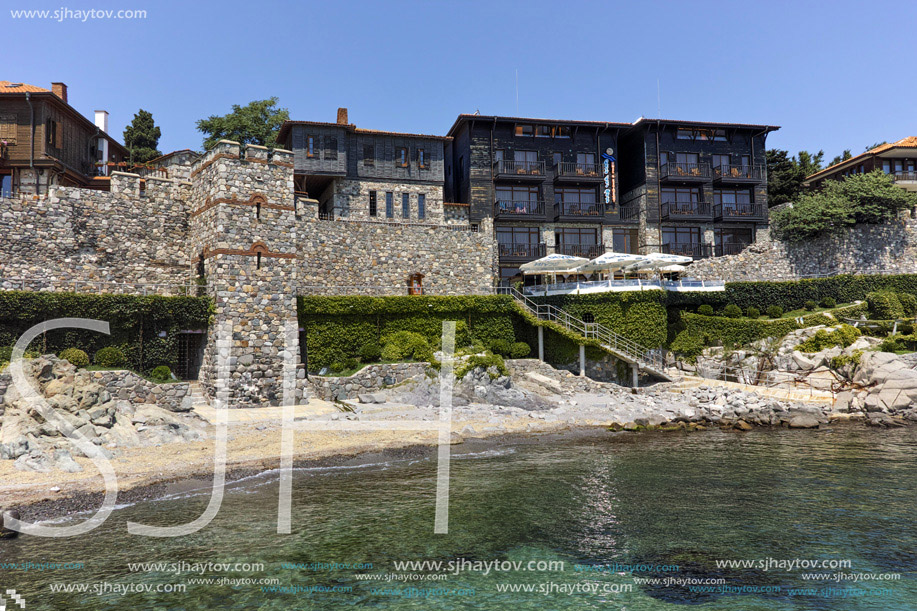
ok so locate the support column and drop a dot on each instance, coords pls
(541, 344)
(582, 360)
(635, 373)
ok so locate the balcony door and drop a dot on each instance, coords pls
(735, 202)
(577, 242)
(518, 199)
(681, 200)
(731, 240)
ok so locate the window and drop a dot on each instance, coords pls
(721, 161)
(681, 235)
(730, 241)
(517, 193)
(561, 132)
(624, 240)
(746, 160)
(8, 127)
(389, 205)
(684, 134)
(499, 154)
(421, 158)
(526, 156)
(373, 211)
(731, 197)
(719, 135)
(887, 167)
(686, 158)
(577, 242)
(406, 205)
(421, 206)
(687, 133)
(518, 235)
(558, 158)
(577, 201)
(402, 157)
(663, 158)
(6, 185)
(310, 146)
(680, 195)
(461, 166)
(369, 154)
(331, 149)
(543, 131)
(585, 158)
(51, 130)
(524, 130)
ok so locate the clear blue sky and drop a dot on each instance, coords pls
(833, 75)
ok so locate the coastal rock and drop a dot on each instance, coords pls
(803, 421)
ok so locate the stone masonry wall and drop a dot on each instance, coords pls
(78, 235)
(351, 199)
(864, 249)
(368, 379)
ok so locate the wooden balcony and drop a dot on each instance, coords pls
(520, 253)
(622, 214)
(729, 249)
(519, 170)
(589, 251)
(583, 213)
(738, 212)
(569, 171)
(686, 211)
(695, 250)
(523, 210)
(685, 172)
(738, 174)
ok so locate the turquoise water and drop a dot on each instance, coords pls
(666, 499)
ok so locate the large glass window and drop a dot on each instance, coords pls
(526, 156)
(682, 200)
(681, 235)
(578, 242)
(721, 161)
(517, 194)
(686, 158)
(733, 199)
(731, 240)
(625, 240)
(518, 235)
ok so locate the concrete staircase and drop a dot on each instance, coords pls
(198, 396)
(618, 346)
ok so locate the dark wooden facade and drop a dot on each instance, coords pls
(897, 159)
(44, 134)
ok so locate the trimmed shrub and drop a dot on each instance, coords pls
(109, 357)
(909, 303)
(753, 312)
(705, 309)
(485, 361)
(519, 350)
(884, 305)
(828, 302)
(810, 305)
(351, 363)
(406, 345)
(501, 346)
(688, 345)
(775, 311)
(732, 311)
(370, 352)
(161, 374)
(77, 357)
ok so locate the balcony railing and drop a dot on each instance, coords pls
(738, 173)
(569, 169)
(528, 252)
(590, 211)
(729, 249)
(677, 211)
(589, 251)
(685, 171)
(695, 250)
(623, 214)
(738, 212)
(905, 176)
(518, 208)
(519, 169)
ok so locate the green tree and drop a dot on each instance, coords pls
(141, 137)
(842, 157)
(256, 123)
(810, 163)
(876, 145)
(840, 204)
(783, 180)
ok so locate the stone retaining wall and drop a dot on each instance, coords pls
(369, 379)
(891, 247)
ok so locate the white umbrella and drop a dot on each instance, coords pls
(669, 269)
(552, 264)
(610, 261)
(657, 260)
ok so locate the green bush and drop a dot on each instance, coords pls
(519, 350)
(501, 346)
(406, 345)
(775, 311)
(705, 309)
(77, 357)
(688, 345)
(810, 305)
(828, 302)
(732, 311)
(484, 361)
(753, 312)
(884, 305)
(842, 336)
(161, 374)
(838, 362)
(371, 352)
(908, 303)
(109, 357)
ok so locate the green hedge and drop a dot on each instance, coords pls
(792, 295)
(707, 330)
(136, 323)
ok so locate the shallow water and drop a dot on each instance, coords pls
(665, 499)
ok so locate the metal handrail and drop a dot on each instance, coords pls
(609, 340)
(728, 170)
(583, 170)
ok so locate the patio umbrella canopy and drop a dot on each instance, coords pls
(552, 264)
(610, 261)
(658, 261)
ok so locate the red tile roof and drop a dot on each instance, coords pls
(14, 87)
(905, 143)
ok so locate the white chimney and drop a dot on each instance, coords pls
(102, 123)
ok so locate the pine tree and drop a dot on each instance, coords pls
(141, 138)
